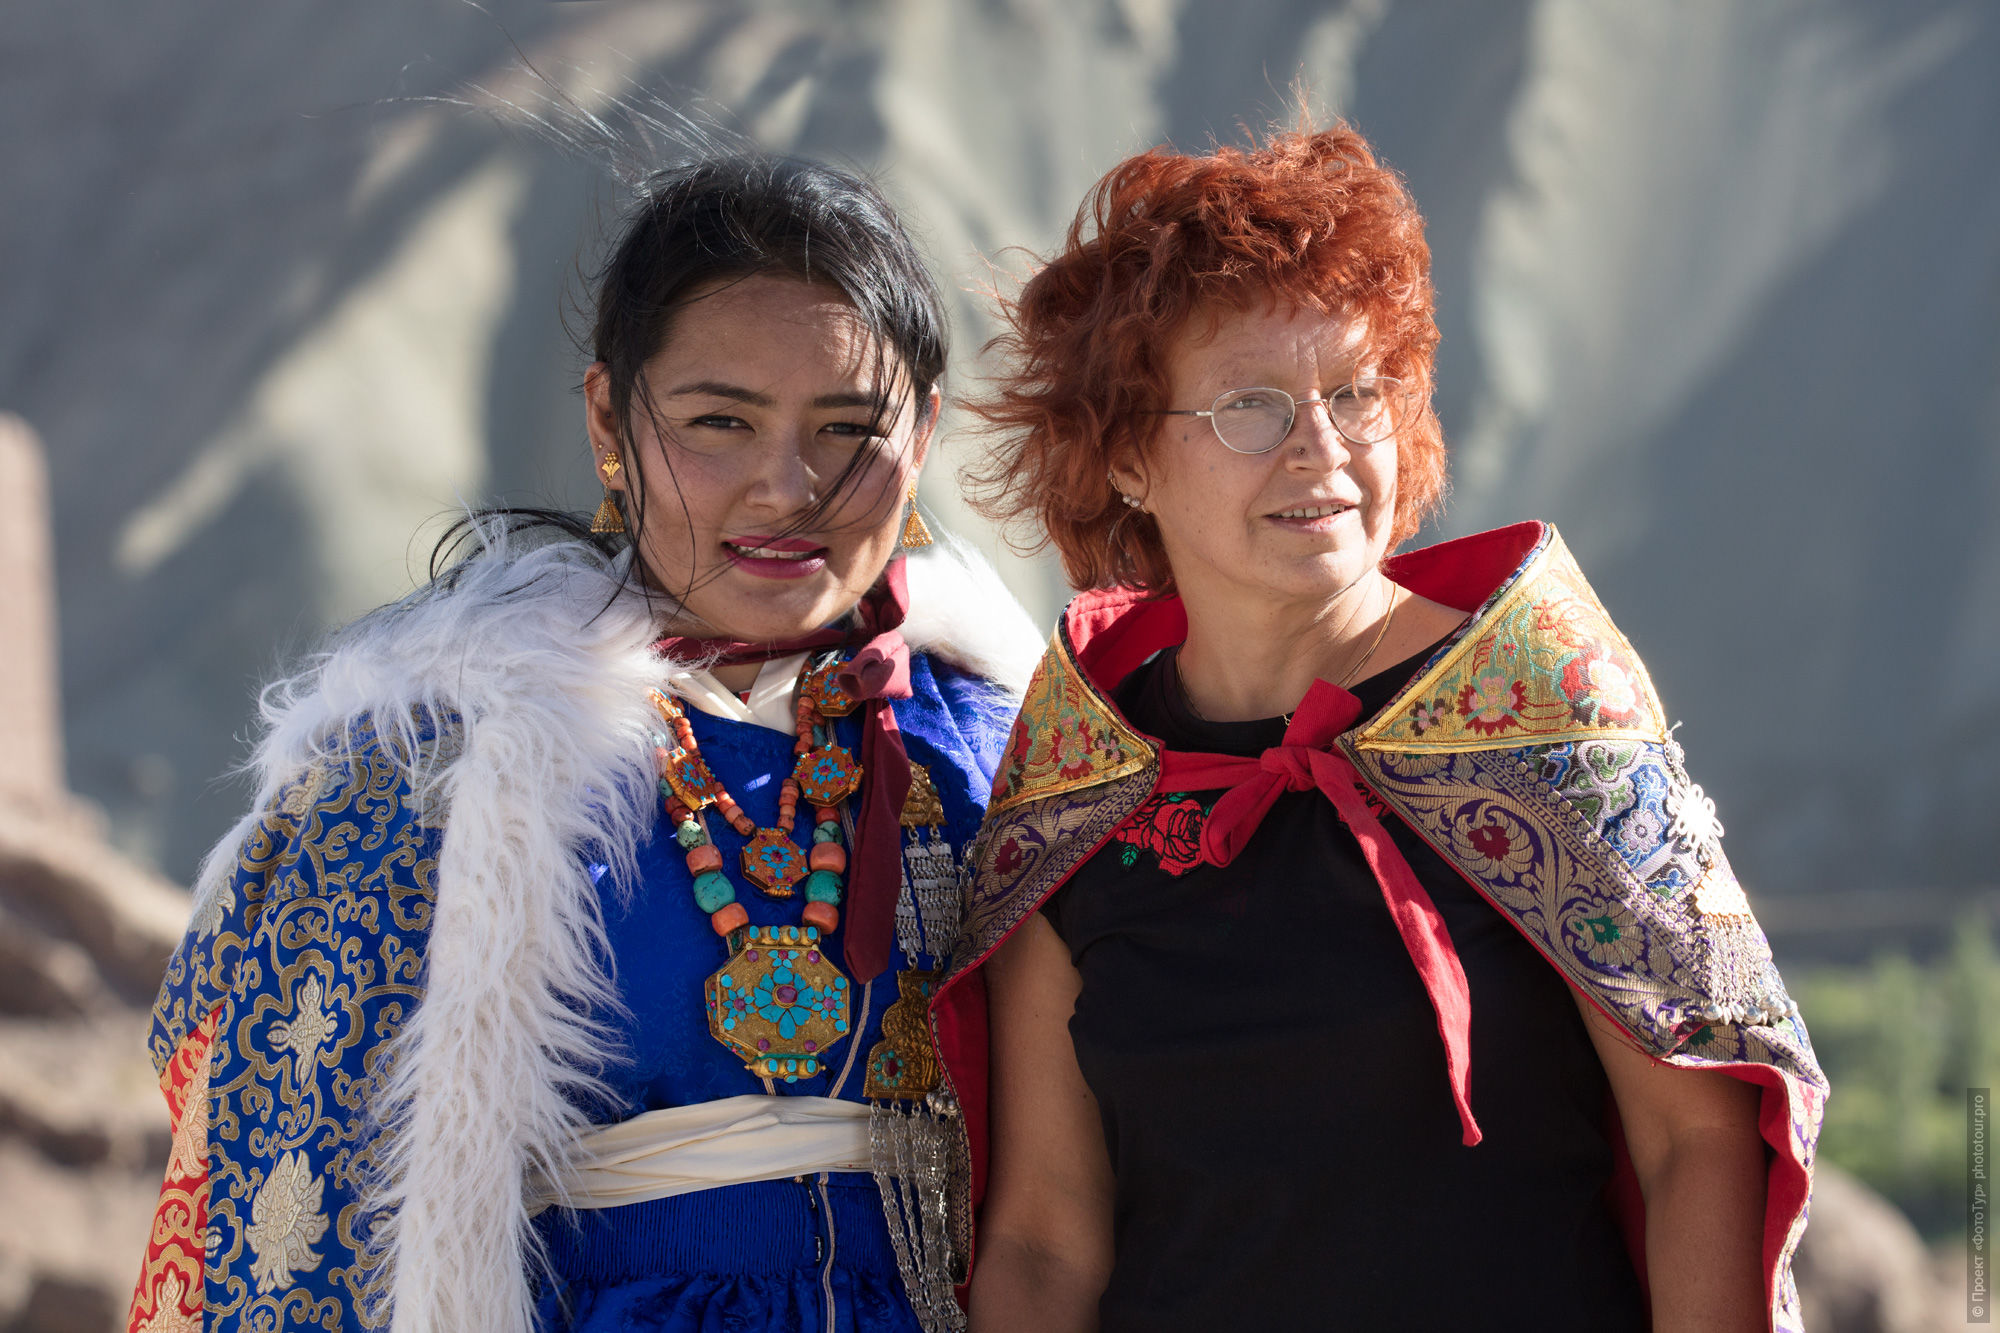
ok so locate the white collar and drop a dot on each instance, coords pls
(770, 697)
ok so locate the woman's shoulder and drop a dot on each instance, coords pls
(346, 843)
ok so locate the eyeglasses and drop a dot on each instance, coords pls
(1256, 421)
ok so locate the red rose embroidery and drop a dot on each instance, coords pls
(1170, 828)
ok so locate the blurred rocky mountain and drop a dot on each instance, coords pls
(84, 934)
(1718, 286)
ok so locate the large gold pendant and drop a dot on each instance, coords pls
(779, 1002)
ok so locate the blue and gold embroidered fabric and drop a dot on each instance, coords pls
(311, 959)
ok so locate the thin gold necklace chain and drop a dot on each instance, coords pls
(1387, 617)
(1351, 673)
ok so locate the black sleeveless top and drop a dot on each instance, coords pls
(1272, 1084)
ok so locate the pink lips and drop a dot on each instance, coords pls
(809, 560)
(1323, 523)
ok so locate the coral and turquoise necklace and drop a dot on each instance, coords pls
(779, 1002)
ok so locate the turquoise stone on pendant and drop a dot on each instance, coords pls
(779, 1002)
(773, 862)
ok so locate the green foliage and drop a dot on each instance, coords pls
(1901, 1042)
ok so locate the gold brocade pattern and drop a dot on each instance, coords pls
(175, 1309)
(285, 1221)
(1065, 739)
(1029, 849)
(1543, 664)
(169, 1295)
(1646, 957)
(311, 958)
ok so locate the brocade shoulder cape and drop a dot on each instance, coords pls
(1532, 753)
(380, 1021)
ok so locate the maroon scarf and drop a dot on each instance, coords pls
(878, 672)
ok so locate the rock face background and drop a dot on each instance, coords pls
(1717, 286)
(1720, 289)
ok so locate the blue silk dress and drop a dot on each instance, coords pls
(807, 1254)
(317, 946)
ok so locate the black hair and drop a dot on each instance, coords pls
(734, 216)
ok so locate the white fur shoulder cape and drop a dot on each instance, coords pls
(545, 665)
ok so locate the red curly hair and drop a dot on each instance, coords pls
(1310, 219)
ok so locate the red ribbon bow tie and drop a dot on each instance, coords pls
(1304, 760)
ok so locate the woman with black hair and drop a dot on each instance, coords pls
(571, 968)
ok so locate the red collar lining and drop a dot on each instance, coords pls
(1112, 630)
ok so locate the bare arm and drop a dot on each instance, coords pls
(1701, 1166)
(1045, 1229)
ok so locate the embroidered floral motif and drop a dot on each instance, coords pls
(1602, 688)
(1426, 716)
(309, 1028)
(1638, 833)
(213, 912)
(170, 1314)
(1701, 1040)
(1610, 937)
(285, 1221)
(1077, 739)
(1497, 844)
(1543, 663)
(188, 1158)
(1065, 738)
(1168, 826)
(1491, 702)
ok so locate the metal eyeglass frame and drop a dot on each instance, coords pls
(1292, 415)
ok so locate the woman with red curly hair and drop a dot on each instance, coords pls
(1357, 950)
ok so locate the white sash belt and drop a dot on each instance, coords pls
(728, 1142)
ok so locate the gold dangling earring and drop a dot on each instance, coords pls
(609, 518)
(916, 535)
